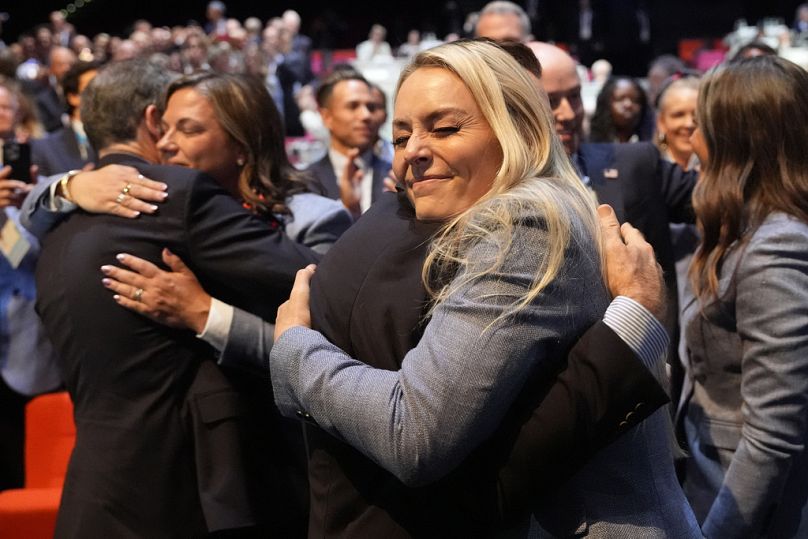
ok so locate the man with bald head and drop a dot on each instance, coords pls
(644, 189)
(502, 20)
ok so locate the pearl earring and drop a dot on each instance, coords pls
(240, 161)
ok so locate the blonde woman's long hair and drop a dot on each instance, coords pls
(535, 177)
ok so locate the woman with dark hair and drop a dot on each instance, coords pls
(229, 127)
(622, 113)
(747, 332)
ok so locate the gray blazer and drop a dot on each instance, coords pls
(747, 415)
(454, 388)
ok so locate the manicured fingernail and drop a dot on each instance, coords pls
(164, 195)
(136, 213)
(120, 257)
(106, 281)
(106, 269)
(116, 297)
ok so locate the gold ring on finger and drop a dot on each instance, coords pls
(138, 294)
(125, 190)
(120, 198)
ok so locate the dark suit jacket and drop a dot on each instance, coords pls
(323, 173)
(59, 152)
(51, 108)
(157, 451)
(648, 192)
(367, 298)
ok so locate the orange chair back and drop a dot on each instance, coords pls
(50, 435)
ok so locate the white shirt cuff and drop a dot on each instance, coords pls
(639, 329)
(217, 327)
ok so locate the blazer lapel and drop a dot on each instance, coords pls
(599, 163)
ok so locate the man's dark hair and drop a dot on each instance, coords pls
(70, 82)
(753, 48)
(113, 104)
(326, 87)
(524, 55)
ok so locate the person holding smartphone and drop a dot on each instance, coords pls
(27, 362)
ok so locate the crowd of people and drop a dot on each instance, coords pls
(447, 332)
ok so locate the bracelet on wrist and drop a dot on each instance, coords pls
(63, 187)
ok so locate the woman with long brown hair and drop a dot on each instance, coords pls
(747, 331)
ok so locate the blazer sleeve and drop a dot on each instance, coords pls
(677, 190)
(454, 388)
(317, 222)
(35, 213)
(772, 323)
(604, 391)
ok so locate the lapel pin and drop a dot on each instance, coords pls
(610, 173)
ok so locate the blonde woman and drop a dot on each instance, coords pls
(676, 120)
(515, 277)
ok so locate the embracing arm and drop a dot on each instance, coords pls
(772, 322)
(452, 389)
(114, 189)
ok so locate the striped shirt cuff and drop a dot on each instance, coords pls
(643, 333)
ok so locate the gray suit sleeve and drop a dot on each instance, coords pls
(454, 388)
(772, 320)
(248, 343)
(36, 214)
(317, 222)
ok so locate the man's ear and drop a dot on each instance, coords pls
(153, 121)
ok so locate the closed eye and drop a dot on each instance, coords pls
(445, 131)
(400, 141)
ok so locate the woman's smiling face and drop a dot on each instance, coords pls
(445, 152)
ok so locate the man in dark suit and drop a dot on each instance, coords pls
(159, 450)
(50, 99)
(350, 171)
(644, 189)
(67, 148)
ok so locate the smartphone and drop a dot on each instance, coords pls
(18, 156)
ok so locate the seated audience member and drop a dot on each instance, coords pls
(68, 148)
(375, 48)
(136, 385)
(350, 171)
(746, 418)
(412, 46)
(622, 113)
(502, 20)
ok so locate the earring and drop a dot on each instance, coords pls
(240, 161)
(662, 141)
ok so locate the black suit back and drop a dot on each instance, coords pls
(158, 450)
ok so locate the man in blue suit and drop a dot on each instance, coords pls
(644, 189)
(350, 171)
